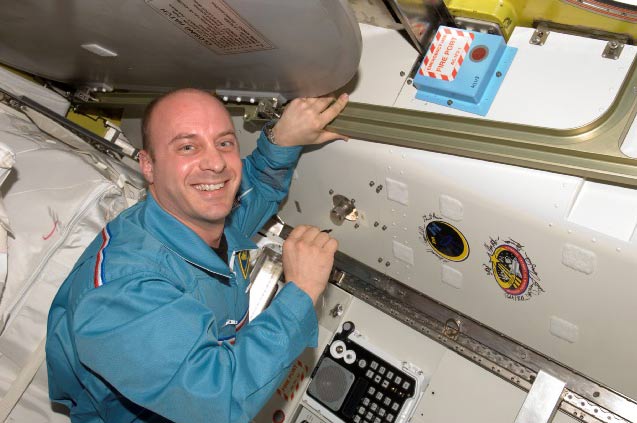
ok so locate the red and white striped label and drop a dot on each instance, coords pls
(446, 53)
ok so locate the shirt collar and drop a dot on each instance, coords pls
(184, 242)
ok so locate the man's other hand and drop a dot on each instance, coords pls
(308, 256)
(304, 120)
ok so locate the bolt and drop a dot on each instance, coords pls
(380, 259)
(372, 183)
(384, 228)
(379, 188)
(387, 264)
(613, 45)
(331, 191)
(498, 74)
(409, 81)
(339, 349)
(376, 224)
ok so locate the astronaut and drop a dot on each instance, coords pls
(151, 325)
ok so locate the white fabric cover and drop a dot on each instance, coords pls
(7, 160)
(57, 200)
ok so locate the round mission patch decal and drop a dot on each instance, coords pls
(446, 241)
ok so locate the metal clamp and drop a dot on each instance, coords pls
(613, 50)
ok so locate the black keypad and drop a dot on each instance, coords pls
(379, 391)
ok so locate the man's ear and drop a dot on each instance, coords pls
(146, 165)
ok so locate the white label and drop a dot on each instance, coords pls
(446, 53)
(397, 191)
(403, 252)
(563, 329)
(213, 24)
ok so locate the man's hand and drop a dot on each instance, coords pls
(308, 256)
(303, 121)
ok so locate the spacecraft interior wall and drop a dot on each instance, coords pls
(542, 257)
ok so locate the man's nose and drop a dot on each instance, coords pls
(213, 160)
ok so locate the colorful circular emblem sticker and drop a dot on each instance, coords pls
(510, 270)
(446, 241)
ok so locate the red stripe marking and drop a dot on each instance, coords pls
(98, 261)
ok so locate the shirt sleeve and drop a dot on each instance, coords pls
(158, 347)
(267, 174)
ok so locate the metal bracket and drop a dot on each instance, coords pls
(343, 209)
(543, 399)
(613, 50)
(478, 25)
(452, 329)
(540, 35)
(83, 94)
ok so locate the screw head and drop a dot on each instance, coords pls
(498, 74)
(372, 183)
(449, 102)
(387, 264)
(380, 259)
(376, 224)
(409, 81)
(402, 73)
(384, 227)
(331, 191)
(356, 225)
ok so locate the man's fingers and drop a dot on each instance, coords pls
(330, 136)
(322, 103)
(297, 232)
(310, 234)
(331, 245)
(337, 107)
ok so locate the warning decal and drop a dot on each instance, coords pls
(292, 383)
(213, 24)
(446, 54)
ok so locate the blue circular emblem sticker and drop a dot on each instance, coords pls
(446, 241)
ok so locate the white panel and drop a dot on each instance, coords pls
(264, 47)
(393, 337)
(461, 392)
(565, 83)
(606, 209)
(379, 81)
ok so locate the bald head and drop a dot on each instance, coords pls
(164, 101)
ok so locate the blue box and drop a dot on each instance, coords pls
(463, 69)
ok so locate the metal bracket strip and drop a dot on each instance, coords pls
(583, 399)
(591, 151)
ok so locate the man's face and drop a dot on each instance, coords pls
(195, 168)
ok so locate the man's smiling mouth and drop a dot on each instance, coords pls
(209, 187)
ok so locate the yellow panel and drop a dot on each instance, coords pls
(504, 13)
(94, 120)
(585, 13)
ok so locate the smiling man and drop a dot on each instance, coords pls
(151, 324)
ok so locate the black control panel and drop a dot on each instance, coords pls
(358, 385)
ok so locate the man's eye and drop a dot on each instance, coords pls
(226, 144)
(187, 147)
